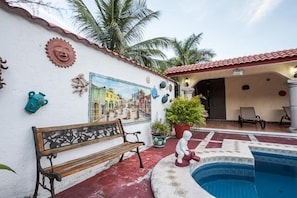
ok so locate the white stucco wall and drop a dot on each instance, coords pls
(23, 47)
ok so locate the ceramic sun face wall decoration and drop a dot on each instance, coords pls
(60, 52)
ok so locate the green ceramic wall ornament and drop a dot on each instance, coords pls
(162, 84)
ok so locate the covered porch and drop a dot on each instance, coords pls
(266, 82)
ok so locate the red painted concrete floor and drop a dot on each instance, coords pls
(126, 179)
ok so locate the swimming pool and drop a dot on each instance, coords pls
(273, 176)
(168, 180)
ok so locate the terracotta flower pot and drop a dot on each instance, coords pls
(179, 129)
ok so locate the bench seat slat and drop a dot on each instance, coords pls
(89, 161)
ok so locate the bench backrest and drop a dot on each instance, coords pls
(51, 140)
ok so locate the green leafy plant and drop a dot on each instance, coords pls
(160, 128)
(4, 167)
(186, 111)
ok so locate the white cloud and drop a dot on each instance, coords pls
(258, 9)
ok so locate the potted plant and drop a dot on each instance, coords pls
(160, 131)
(184, 113)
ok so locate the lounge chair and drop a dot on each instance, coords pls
(248, 115)
(287, 115)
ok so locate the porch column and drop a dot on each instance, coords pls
(293, 104)
(188, 92)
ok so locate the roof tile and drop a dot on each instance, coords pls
(252, 60)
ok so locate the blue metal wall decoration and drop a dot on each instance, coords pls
(162, 84)
(154, 93)
(35, 101)
(165, 98)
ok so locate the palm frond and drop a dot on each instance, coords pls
(187, 52)
(85, 21)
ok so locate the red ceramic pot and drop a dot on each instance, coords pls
(179, 129)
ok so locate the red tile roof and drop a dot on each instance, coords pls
(52, 27)
(246, 61)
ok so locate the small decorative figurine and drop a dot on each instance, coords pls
(35, 102)
(183, 154)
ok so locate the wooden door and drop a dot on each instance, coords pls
(214, 91)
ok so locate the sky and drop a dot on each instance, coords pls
(231, 28)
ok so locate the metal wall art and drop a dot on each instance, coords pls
(165, 98)
(60, 52)
(154, 93)
(163, 84)
(2, 67)
(79, 84)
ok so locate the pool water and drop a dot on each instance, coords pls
(236, 188)
(274, 176)
(276, 181)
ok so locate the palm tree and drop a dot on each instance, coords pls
(187, 52)
(118, 25)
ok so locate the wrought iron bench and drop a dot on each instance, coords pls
(50, 141)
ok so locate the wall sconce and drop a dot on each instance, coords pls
(295, 71)
(237, 72)
(187, 82)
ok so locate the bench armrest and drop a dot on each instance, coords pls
(133, 133)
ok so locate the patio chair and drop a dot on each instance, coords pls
(287, 115)
(248, 115)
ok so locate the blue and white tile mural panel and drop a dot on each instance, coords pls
(111, 98)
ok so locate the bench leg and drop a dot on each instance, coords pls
(140, 160)
(121, 159)
(138, 153)
(36, 184)
(52, 187)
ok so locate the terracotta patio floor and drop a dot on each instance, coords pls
(126, 179)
